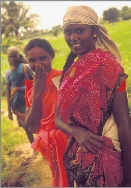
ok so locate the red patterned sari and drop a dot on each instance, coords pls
(85, 96)
(50, 141)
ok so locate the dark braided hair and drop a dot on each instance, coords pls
(68, 63)
(41, 43)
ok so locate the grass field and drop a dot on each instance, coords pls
(120, 32)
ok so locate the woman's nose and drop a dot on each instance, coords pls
(12, 58)
(73, 36)
(38, 62)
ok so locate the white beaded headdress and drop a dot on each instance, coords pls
(86, 15)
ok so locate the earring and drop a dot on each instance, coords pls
(94, 35)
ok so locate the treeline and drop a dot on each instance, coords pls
(17, 23)
(113, 14)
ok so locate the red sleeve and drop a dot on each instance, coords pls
(28, 86)
(122, 86)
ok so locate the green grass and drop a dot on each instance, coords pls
(121, 34)
(4, 63)
(12, 135)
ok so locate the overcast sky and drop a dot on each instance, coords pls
(52, 12)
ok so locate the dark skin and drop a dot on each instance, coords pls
(83, 137)
(40, 61)
(10, 114)
(76, 36)
(123, 120)
(13, 59)
(33, 117)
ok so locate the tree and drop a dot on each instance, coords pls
(125, 13)
(14, 16)
(111, 14)
(56, 30)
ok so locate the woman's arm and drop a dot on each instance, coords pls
(34, 113)
(123, 120)
(84, 137)
(8, 92)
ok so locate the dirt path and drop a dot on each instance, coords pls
(24, 170)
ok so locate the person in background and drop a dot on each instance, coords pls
(41, 105)
(15, 80)
(92, 105)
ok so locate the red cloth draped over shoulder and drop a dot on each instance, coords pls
(50, 141)
(85, 93)
(93, 72)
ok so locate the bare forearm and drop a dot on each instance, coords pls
(8, 99)
(83, 137)
(63, 126)
(123, 120)
(8, 103)
(125, 140)
(32, 121)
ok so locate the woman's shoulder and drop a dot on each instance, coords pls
(110, 67)
(8, 72)
(25, 65)
(107, 55)
(109, 60)
(56, 72)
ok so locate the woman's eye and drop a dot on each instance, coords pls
(67, 33)
(31, 60)
(42, 58)
(80, 31)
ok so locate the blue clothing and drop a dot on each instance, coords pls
(17, 78)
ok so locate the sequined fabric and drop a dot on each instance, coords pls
(86, 97)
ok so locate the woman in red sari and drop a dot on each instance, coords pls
(92, 105)
(41, 105)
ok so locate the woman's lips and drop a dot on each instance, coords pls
(76, 45)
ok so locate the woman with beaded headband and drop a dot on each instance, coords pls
(92, 104)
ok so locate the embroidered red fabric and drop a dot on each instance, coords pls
(85, 93)
(96, 74)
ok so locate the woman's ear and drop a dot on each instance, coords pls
(94, 30)
(53, 55)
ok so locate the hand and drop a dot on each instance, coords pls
(88, 141)
(39, 80)
(10, 115)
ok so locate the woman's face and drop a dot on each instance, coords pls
(79, 38)
(13, 59)
(39, 57)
